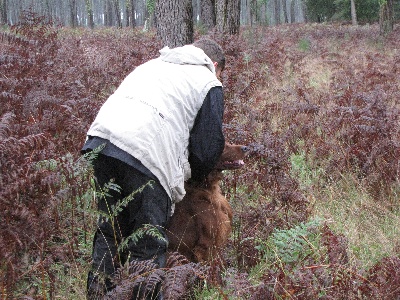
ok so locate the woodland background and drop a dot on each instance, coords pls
(316, 208)
(205, 13)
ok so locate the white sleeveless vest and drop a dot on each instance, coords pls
(151, 114)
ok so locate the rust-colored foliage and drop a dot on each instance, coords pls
(177, 281)
(53, 81)
(383, 280)
(52, 86)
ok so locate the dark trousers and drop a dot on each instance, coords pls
(148, 206)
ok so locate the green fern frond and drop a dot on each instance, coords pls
(147, 229)
(92, 155)
(293, 245)
(115, 210)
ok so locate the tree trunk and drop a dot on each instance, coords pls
(253, 12)
(285, 13)
(130, 13)
(305, 10)
(150, 14)
(117, 13)
(292, 11)
(263, 13)
(105, 12)
(196, 11)
(127, 13)
(228, 16)
(277, 11)
(353, 12)
(386, 17)
(174, 22)
(133, 19)
(108, 15)
(48, 10)
(207, 14)
(73, 13)
(89, 9)
(3, 12)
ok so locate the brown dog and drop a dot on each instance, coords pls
(202, 221)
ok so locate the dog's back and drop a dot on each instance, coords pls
(202, 221)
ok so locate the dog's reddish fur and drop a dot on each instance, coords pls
(202, 221)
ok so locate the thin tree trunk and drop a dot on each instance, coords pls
(248, 11)
(353, 12)
(263, 13)
(117, 13)
(105, 5)
(285, 13)
(292, 11)
(48, 10)
(196, 7)
(3, 12)
(253, 12)
(108, 15)
(277, 11)
(73, 13)
(127, 13)
(386, 17)
(89, 9)
(132, 13)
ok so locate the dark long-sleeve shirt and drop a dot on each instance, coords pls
(207, 141)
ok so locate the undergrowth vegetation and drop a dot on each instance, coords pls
(316, 208)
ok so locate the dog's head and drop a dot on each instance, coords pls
(232, 157)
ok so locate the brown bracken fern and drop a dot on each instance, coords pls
(53, 81)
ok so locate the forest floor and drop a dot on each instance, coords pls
(316, 208)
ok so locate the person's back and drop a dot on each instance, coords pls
(154, 108)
